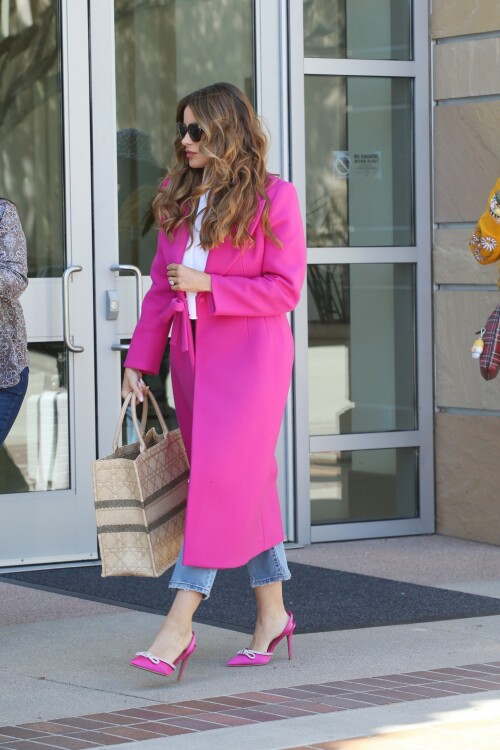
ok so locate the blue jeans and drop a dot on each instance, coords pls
(10, 403)
(268, 567)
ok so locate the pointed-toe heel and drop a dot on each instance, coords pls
(151, 663)
(249, 658)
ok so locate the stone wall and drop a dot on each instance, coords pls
(466, 64)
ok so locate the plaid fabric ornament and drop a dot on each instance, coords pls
(489, 361)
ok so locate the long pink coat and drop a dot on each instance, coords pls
(230, 392)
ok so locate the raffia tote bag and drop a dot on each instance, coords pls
(140, 494)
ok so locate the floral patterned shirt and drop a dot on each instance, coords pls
(13, 281)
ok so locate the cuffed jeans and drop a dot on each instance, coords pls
(268, 567)
(10, 403)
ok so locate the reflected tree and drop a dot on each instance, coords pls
(28, 56)
(31, 126)
(329, 288)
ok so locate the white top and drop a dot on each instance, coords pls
(195, 256)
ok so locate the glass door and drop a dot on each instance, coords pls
(83, 179)
(360, 155)
(145, 57)
(45, 481)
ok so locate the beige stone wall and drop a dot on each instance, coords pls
(452, 18)
(466, 61)
(467, 478)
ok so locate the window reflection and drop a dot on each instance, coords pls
(361, 348)
(36, 455)
(362, 29)
(367, 485)
(31, 128)
(359, 161)
(139, 175)
(164, 50)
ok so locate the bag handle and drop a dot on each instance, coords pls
(116, 438)
(131, 397)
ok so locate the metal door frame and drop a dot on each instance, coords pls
(59, 525)
(420, 254)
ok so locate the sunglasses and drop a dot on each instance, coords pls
(194, 130)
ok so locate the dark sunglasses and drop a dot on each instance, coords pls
(194, 130)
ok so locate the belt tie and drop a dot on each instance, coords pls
(177, 313)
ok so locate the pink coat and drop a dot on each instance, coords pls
(230, 392)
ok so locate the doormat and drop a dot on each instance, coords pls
(321, 599)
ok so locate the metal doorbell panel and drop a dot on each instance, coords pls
(112, 304)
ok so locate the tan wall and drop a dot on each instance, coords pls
(466, 164)
(467, 478)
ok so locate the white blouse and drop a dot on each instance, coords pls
(195, 256)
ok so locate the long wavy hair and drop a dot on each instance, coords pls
(234, 177)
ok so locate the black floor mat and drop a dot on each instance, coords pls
(320, 599)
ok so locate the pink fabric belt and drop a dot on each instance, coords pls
(176, 312)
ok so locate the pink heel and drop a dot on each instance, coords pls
(184, 662)
(151, 663)
(249, 658)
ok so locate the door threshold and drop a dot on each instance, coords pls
(49, 566)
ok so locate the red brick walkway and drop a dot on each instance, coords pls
(168, 719)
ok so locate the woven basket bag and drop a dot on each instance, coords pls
(140, 494)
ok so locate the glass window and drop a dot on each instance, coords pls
(164, 50)
(35, 455)
(364, 485)
(359, 161)
(31, 128)
(362, 29)
(361, 348)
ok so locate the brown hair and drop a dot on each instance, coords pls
(234, 177)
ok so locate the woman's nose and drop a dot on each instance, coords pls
(186, 140)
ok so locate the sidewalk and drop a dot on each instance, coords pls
(65, 671)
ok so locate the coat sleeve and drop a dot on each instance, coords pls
(277, 289)
(13, 261)
(151, 332)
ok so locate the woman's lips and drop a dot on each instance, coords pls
(189, 154)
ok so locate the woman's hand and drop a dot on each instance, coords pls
(184, 279)
(132, 381)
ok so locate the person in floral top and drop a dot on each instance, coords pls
(14, 359)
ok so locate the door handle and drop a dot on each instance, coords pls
(65, 296)
(138, 286)
(138, 295)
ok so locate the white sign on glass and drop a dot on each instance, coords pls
(357, 164)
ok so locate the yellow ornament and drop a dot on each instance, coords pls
(478, 345)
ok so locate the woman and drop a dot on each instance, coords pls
(14, 359)
(231, 259)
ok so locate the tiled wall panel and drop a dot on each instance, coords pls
(467, 476)
(467, 159)
(467, 68)
(453, 261)
(458, 315)
(459, 17)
